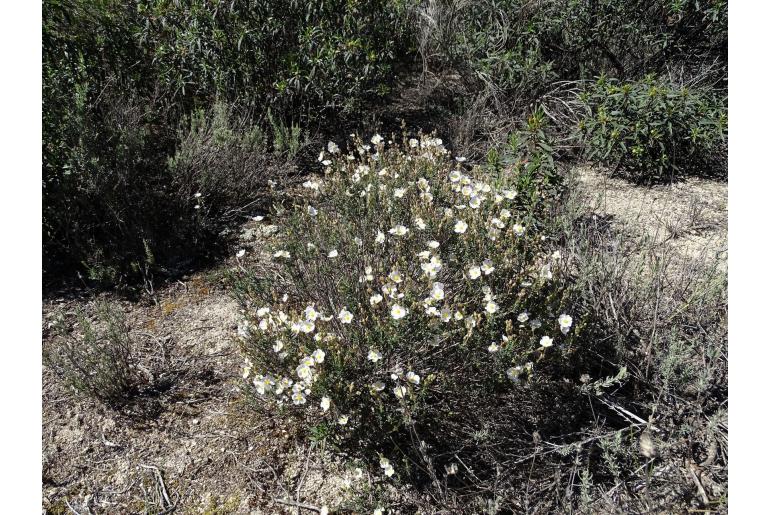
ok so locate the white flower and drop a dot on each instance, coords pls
(546, 341)
(412, 377)
(460, 227)
(565, 322)
(312, 211)
(523, 317)
(313, 185)
(332, 147)
(474, 272)
(518, 229)
(374, 355)
(491, 307)
(400, 391)
(318, 356)
(304, 372)
(258, 218)
(399, 192)
(378, 386)
(455, 176)
(282, 254)
(386, 466)
(475, 201)
(395, 276)
(278, 346)
(376, 139)
(263, 311)
(368, 272)
(419, 223)
(307, 326)
(433, 244)
(460, 159)
(398, 312)
(493, 347)
(380, 237)
(378, 511)
(513, 373)
(333, 253)
(198, 195)
(535, 324)
(375, 299)
(325, 403)
(399, 230)
(432, 268)
(390, 289)
(298, 398)
(509, 194)
(437, 292)
(505, 214)
(324, 510)
(310, 313)
(345, 316)
(487, 267)
(241, 253)
(413, 142)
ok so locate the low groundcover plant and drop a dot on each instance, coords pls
(406, 287)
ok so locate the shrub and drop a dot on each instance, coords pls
(509, 54)
(413, 307)
(96, 359)
(223, 163)
(120, 78)
(654, 130)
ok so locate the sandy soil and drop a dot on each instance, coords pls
(689, 217)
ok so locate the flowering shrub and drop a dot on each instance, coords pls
(404, 286)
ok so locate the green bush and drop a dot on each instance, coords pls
(653, 130)
(519, 48)
(119, 80)
(412, 299)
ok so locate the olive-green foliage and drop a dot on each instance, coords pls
(120, 78)
(654, 130)
(521, 47)
(509, 54)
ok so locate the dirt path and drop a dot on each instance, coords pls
(689, 217)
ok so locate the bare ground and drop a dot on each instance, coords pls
(689, 217)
